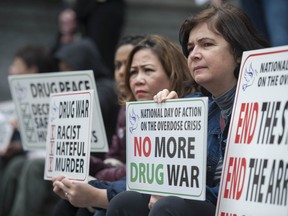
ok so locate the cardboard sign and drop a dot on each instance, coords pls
(7, 113)
(68, 140)
(31, 96)
(255, 171)
(167, 147)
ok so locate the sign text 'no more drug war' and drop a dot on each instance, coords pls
(31, 95)
(68, 138)
(255, 171)
(166, 147)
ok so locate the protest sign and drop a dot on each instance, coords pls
(31, 96)
(7, 114)
(68, 138)
(167, 147)
(255, 170)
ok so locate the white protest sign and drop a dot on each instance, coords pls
(255, 170)
(31, 96)
(68, 138)
(167, 147)
(7, 113)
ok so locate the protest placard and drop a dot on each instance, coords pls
(255, 170)
(31, 96)
(167, 147)
(7, 114)
(68, 138)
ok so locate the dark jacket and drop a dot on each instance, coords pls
(215, 151)
(215, 148)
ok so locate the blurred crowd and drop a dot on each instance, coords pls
(88, 36)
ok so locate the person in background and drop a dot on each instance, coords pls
(153, 64)
(30, 59)
(79, 55)
(112, 168)
(27, 60)
(102, 22)
(213, 42)
(84, 55)
(69, 30)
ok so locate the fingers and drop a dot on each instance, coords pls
(58, 190)
(62, 186)
(164, 95)
(68, 183)
(63, 180)
(160, 96)
(172, 95)
(58, 178)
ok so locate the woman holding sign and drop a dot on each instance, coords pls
(154, 64)
(113, 167)
(213, 42)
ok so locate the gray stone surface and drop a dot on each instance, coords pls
(35, 21)
(23, 22)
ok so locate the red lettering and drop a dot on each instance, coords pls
(240, 119)
(50, 164)
(246, 123)
(235, 178)
(227, 214)
(144, 146)
(51, 147)
(52, 131)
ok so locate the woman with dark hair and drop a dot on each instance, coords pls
(213, 42)
(147, 71)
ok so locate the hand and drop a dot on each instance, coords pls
(57, 188)
(78, 194)
(153, 200)
(164, 95)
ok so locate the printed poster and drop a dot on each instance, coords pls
(7, 114)
(68, 140)
(255, 172)
(31, 95)
(167, 147)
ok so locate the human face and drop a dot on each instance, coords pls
(67, 22)
(18, 67)
(147, 75)
(121, 57)
(210, 60)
